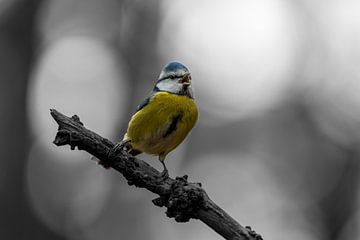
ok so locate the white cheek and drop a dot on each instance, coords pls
(169, 86)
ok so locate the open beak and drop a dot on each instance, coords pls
(185, 80)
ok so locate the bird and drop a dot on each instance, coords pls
(164, 118)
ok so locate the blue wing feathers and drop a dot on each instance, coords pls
(143, 104)
(173, 125)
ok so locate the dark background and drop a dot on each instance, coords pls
(277, 143)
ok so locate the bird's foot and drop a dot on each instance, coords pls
(164, 174)
(120, 146)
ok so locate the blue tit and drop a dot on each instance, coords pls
(163, 120)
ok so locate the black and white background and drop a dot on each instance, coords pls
(277, 143)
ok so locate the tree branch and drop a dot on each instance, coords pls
(182, 199)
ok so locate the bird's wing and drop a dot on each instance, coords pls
(145, 102)
(173, 124)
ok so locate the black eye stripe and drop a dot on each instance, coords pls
(168, 77)
(161, 79)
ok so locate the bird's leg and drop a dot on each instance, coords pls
(165, 172)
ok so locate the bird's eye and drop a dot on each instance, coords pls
(172, 76)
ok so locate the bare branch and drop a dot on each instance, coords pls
(182, 199)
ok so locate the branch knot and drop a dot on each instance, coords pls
(77, 119)
(185, 200)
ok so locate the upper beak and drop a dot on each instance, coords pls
(185, 80)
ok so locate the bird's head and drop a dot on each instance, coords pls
(175, 78)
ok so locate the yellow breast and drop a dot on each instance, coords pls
(162, 125)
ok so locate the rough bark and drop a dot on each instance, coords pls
(183, 200)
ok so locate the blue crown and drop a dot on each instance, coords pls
(173, 66)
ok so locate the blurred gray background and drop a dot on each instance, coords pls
(277, 143)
